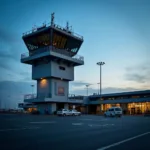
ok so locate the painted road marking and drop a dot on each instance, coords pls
(126, 140)
(93, 120)
(44, 122)
(17, 129)
(77, 124)
(85, 119)
(100, 125)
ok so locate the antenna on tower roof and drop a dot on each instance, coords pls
(52, 18)
(67, 25)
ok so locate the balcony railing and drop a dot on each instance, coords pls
(47, 97)
(35, 96)
(52, 49)
(34, 29)
(30, 96)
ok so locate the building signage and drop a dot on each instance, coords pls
(61, 91)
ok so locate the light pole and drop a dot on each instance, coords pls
(100, 64)
(98, 87)
(87, 87)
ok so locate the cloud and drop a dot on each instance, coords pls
(12, 93)
(136, 77)
(7, 36)
(139, 73)
(79, 83)
(10, 46)
(104, 90)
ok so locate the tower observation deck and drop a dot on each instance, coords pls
(52, 52)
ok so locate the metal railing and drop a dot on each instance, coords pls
(42, 97)
(34, 29)
(30, 96)
(37, 96)
(49, 48)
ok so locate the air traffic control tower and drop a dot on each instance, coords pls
(52, 52)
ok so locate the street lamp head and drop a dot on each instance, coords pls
(100, 63)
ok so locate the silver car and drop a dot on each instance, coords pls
(75, 112)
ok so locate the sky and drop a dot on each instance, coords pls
(116, 32)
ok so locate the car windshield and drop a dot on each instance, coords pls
(60, 110)
(117, 109)
(74, 110)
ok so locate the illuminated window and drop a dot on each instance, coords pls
(135, 96)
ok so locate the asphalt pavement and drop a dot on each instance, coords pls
(22, 132)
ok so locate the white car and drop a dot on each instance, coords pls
(63, 112)
(113, 112)
(67, 112)
(75, 112)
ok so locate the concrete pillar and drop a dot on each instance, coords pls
(53, 107)
(66, 106)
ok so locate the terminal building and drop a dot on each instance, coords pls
(53, 54)
(136, 102)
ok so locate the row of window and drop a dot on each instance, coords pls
(123, 97)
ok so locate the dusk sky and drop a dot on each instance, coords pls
(115, 31)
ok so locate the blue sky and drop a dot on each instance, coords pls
(116, 32)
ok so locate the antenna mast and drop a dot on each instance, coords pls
(67, 25)
(52, 18)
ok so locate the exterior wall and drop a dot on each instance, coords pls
(66, 106)
(52, 69)
(124, 108)
(41, 71)
(67, 74)
(59, 89)
(53, 107)
(55, 89)
(43, 107)
(43, 89)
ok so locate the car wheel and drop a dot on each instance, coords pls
(64, 114)
(73, 114)
(111, 115)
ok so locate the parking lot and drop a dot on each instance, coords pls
(73, 132)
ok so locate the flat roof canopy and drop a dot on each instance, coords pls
(121, 94)
(139, 100)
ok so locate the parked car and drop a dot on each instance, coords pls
(63, 112)
(113, 112)
(67, 112)
(75, 112)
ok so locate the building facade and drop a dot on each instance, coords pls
(136, 102)
(52, 52)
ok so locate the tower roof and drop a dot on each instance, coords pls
(53, 35)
